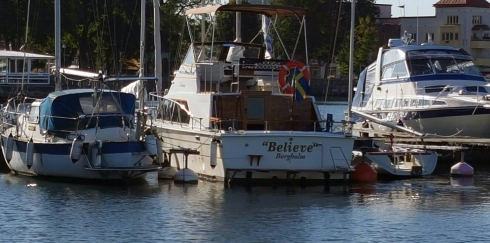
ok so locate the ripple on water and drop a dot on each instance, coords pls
(437, 209)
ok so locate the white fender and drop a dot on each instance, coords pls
(151, 144)
(159, 151)
(76, 149)
(213, 154)
(29, 154)
(9, 148)
(96, 153)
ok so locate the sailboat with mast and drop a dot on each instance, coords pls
(233, 113)
(78, 133)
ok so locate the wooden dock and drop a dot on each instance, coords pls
(476, 150)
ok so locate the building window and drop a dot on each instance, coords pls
(427, 35)
(447, 36)
(414, 37)
(476, 20)
(452, 19)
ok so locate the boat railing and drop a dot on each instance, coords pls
(267, 71)
(27, 78)
(172, 111)
(274, 125)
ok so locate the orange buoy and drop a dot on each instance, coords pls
(363, 172)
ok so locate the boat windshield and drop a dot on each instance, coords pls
(204, 54)
(437, 62)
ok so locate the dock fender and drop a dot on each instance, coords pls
(151, 144)
(9, 146)
(76, 149)
(96, 153)
(213, 154)
(29, 153)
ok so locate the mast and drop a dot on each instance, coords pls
(158, 46)
(238, 25)
(203, 27)
(351, 68)
(141, 85)
(57, 44)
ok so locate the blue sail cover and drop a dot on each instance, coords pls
(59, 112)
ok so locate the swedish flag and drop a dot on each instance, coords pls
(301, 85)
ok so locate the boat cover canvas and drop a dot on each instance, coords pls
(59, 112)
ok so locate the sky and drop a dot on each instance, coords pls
(424, 7)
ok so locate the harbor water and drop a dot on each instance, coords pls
(434, 209)
(437, 208)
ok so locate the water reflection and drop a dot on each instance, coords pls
(428, 210)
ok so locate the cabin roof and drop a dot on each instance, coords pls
(20, 54)
(76, 91)
(423, 47)
(267, 10)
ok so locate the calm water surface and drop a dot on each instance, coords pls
(435, 209)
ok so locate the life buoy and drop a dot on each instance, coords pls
(285, 86)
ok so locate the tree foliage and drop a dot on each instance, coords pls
(365, 41)
(105, 34)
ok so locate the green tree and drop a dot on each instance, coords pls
(365, 41)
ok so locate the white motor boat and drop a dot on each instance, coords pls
(430, 89)
(231, 113)
(81, 133)
(394, 161)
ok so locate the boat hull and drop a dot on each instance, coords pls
(403, 164)
(119, 160)
(261, 155)
(469, 122)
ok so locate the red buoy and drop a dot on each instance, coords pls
(363, 172)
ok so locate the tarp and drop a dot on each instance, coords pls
(59, 112)
(267, 10)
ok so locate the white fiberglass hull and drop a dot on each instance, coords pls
(119, 160)
(405, 164)
(267, 155)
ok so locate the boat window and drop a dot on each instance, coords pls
(388, 103)
(235, 53)
(189, 57)
(3, 66)
(406, 102)
(437, 89)
(424, 102)
(106, 105)
(34, 115)
(174, 110)
(438, 102)
(420, 67)
(414, 102)
(379, 103)
(387, 71)
(252, 52)
(476, 89)
(400, 70)
(398, 102)
(468, 67)
(204, 53)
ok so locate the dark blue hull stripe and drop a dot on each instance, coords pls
(436, 77)
(64, 149)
